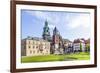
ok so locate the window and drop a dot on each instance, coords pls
(41, 51)
(33, 51)
(29, 47)
(36, 46)
(29, 42)
(33, 47)
(33, 42)
(30, 51)
(37, 51)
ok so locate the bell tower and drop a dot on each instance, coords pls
(46, 31)
(57, 42)
(56, 39)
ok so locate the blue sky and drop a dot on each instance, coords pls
(71, 25)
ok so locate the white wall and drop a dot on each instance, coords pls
(5, 37)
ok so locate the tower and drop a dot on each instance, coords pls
(57, 42)
(46, 32)
(56, 37)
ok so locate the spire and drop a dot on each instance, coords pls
(46, 23)
(46, 31)
(55, 31)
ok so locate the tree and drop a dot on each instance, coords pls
(80, 47)
(87, 47)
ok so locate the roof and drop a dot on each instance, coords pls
(67, 40)
(79, 40)
(34, 38)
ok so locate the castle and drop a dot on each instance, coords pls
(55, 44)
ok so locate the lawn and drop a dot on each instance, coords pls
(65, 57)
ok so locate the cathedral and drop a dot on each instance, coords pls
(50, 44)
(56, 39)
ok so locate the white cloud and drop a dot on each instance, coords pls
(52, 20)
(82, 20)
(38, 14)
(70, 20)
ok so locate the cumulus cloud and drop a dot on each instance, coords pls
(67, 19)
(38, 14)
(82, 20)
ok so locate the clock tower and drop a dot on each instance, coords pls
(46, 32)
